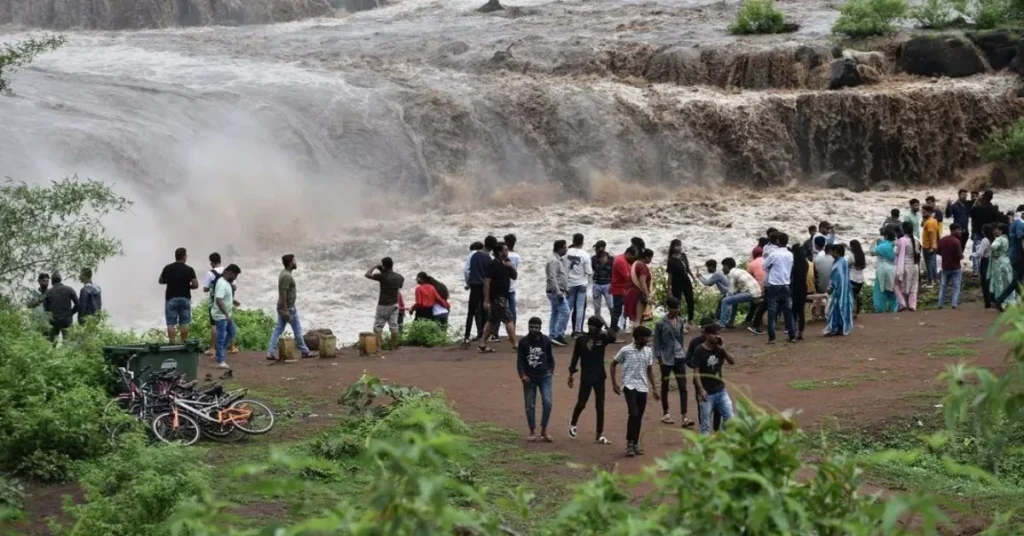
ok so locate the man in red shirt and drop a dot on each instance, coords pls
(621, 282)
(952, 254)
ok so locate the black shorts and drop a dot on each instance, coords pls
(500, 311)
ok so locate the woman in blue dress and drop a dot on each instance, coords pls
(840, 305)
(885, 274)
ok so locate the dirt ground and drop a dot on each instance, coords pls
(886, 368)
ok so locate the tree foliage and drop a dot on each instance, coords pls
(758, 17)
(58, 227)
(864, 18)
(1005, 145)
(13, 56)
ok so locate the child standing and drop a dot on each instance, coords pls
(590, 350)
(707, 360)
(636, 360)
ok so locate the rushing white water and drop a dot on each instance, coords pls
(325, 138)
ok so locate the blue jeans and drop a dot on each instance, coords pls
(716, 403)
(777, 298)
(730, 306)
(296, 325)
(530, 398)
(954, 276)
(578, 305)
(225, 334)
(930, 267)
(602, 294)
(559, 315)
(178, 312)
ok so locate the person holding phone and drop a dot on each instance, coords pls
(707, 359)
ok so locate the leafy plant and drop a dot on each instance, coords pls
(134, 490)
(13, 56)
(359, 397)
(57, 227)
(12, 498)
(864, 18)
(988, 14)
(758, 17)
(254, 326)
(426, 333)
(938, 14)
(50, 398)
(1005, 145)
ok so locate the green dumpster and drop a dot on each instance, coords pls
(158, 357)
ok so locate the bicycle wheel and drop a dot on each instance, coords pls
(113, 408)
(223, 433)
(251, 417)
(184, 432)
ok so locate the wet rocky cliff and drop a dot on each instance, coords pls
(136, 14)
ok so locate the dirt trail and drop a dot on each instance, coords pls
(883, 370)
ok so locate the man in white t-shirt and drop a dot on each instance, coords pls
(510, 241)
(580, 271)
(215, 270)
(222, 307)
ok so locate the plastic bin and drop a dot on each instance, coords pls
(158, 357)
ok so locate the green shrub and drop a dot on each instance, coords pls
(12, 499)
(863, 18)
(1005, 145)
(254, 326)
(988, 14)
(758, 17)
(134, 490)
(50, 398)
(938, 14)
(426, 333)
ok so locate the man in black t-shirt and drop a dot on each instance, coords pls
(498, 276)
(590, 350)
(707, 359)
(180, 280)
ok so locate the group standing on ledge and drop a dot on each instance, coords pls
(780, 277)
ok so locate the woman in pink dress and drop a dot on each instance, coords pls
(908, 257)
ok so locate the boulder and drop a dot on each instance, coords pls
(843, 73)
(312, 338)
(869, 74)
(941, 55)
(491, 5)
(1017, 63)
(999, 46)
(838, 179)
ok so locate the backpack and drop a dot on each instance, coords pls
(213, 290)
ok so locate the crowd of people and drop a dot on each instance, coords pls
(781, 277)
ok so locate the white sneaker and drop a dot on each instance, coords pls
(572, 431)
(667, 419)
(223, 365)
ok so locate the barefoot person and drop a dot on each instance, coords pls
(535, 364)
(497, 280)
(707, 379)
(589, 353)
(671, 356)
(287, 314)
(387, 301)
(180, 280)
(637, 377)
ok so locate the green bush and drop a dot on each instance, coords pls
(133, 490)
(1005, 145)
(988, 14)
(863, 18)
(938, 14)
(758, 17)
(12, 499)
(254, 326)
(426, 333)
(51, 398)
